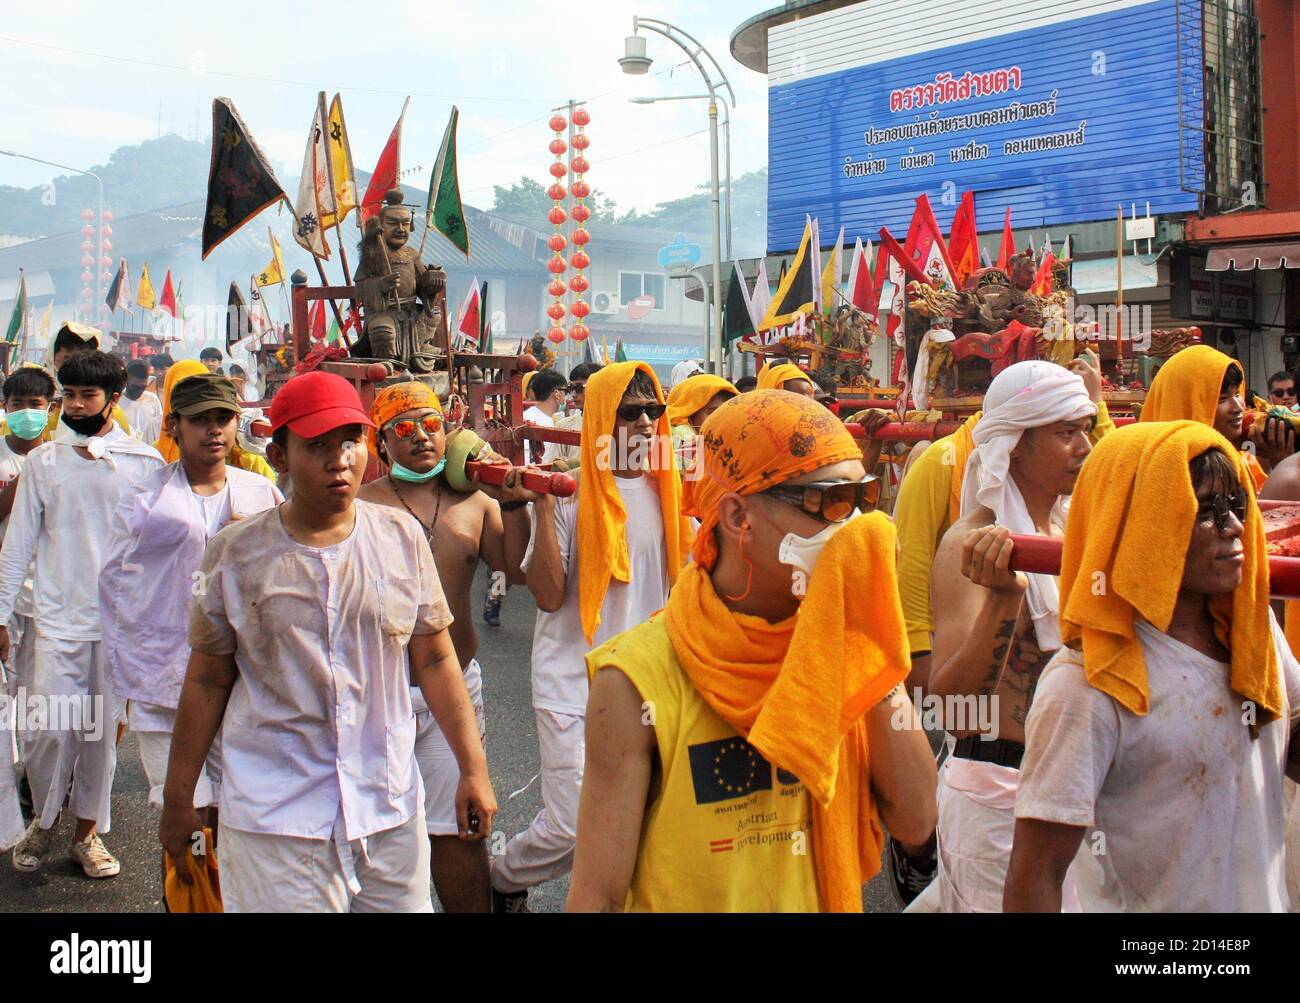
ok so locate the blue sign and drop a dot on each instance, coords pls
(1061, 122)
(663, 353)
(680, 254)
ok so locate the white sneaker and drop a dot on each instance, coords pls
(94, 858)
(29, 854)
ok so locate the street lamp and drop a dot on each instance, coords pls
(726, 139)
(636, 62)
(99, 255)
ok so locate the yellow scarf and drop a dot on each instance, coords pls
(774, 377)
(693, 394)
(602, 519)
(166, 444)
(1187, 386)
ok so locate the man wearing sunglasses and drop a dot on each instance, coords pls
(547, 392)
(995, 629)
(1158, 739)
(577, 401)
(599, 562)
(716, 725)
(489, 525)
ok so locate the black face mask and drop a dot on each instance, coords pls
(86, 425)
(134, 393)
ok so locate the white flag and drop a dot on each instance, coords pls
(315, 193)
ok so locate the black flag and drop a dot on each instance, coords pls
(794, 293)
(240, 180)
(736, 319)
(237, 322)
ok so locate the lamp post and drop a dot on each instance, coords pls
(99, 249)
(636, 62)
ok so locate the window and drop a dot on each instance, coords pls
(634, 284)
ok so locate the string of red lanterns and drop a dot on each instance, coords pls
(580, 236)
(557, 193)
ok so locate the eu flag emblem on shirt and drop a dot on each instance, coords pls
(726, 769)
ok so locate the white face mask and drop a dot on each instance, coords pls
(801, 552)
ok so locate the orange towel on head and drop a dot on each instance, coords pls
(798, 689)
(175, 373)
(774, 377)
(203, 894)
(693, 394)
(963, 444)
(1187, 386)
(1133, 505)
(396, 399)
(602, 519)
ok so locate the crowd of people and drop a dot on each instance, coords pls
(737, 655)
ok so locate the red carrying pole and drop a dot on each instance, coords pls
(541, 481)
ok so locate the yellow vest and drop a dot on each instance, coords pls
(726, 830)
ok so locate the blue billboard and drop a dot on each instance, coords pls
(1061, 122)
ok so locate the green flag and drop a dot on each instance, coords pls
(333, 335)
(17, 330)
(619, 354)
(444, 212)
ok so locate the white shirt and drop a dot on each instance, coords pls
(11, 465)
(1186, 806)
(559, 645)
(538, 417)
(62, 515)
(556, 450)
(320, 718)
(145, 416)
(147, 587)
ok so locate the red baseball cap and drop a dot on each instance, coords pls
(315, 403)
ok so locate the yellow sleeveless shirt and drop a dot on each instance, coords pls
(726, 831)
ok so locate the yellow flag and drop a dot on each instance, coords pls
(341, 173)
(44, 329)
(831, 275)
(272, 274)
(144, 294)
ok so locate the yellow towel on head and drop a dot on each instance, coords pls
(1123, 558)
(526, 379)
(175, 373)
(693, 394)
(602, 519)
(1187, 386)
(774, 377)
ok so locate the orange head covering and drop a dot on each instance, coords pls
(774, 377)
(526, 379)
(601, 516)
(1187, 386)
(1134, 501)
(755, 441)
(398, 399)
(692, 394)
(798, 690)
(175, 373)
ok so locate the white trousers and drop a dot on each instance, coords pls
(78, 743)
(438, 766)
(977, 819)
(545, 849)
(385, 872)
(13, 737)
(155, 752)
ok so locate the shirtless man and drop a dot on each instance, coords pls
(995, 629)
(462, 529)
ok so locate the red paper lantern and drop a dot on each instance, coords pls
(86, 245)
(87, 214)
(580, 165)
(558, 146)
(556, 242)
(581, 189)
(559, 123)
(558, 170)
(86, 276)
(108, 247)
(106, 261)
(556, 287)
(557, 215)
(557, 265)
(580, 236)
(579, 284)
(580, 259)
(579, 332)
(581, 141)
(581, 213)
(555, 334)
(87, 261)
(581, 116)
(107, 216)
(555, 311)
(106, 230)
(580, 308)
(557, 192)
(87, 231)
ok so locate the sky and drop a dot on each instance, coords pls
(505, 63)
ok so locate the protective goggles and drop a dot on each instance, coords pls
(831, 501)
(404, 428)
(1218, 507)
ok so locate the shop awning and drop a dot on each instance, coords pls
(1249, 257)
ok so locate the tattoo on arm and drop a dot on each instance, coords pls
(1006, 630)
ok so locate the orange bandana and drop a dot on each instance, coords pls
(602, 518)
(398, 399)
(693, 394)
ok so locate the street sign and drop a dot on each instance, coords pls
(680, 253)
(640, 307)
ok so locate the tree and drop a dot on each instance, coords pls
(528, 198)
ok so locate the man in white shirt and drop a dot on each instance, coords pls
(143, 409)
(547, 392)
(27, 396)
(155, 545)
(1158, 738)
(65, 501)
(598, 563)
(311, 624)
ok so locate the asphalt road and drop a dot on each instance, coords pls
(512, 758)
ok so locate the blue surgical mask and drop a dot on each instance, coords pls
(29, 423)
(411, 477)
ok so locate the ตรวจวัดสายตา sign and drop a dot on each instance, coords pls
(1060, 121)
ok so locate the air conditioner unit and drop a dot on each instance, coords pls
(604, 303)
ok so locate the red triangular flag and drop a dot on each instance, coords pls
(469, 315)
(167, 301)
(316, 321)
(925, 246)
(863, 292)
(963, 242)
(1042, 284)
(1008, 248)
(384, 179)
